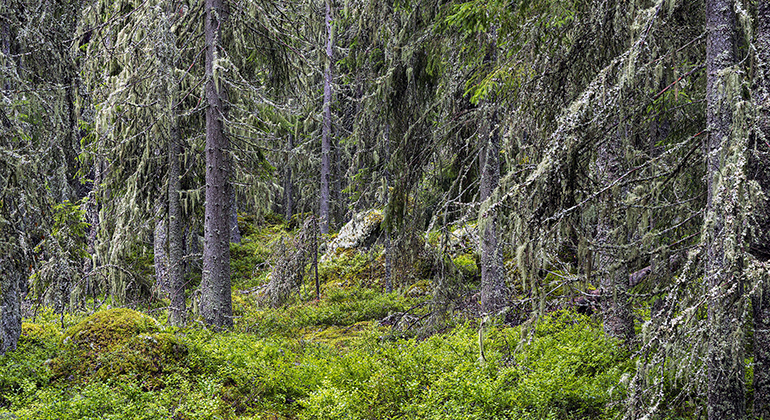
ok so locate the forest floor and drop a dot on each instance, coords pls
(357, 353)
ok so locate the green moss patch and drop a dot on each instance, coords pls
(119, 343)
(104, 330)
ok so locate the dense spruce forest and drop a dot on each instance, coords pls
(368, 209)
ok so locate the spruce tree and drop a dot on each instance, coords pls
(216, 301)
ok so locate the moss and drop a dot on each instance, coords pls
(106, 329)
(420, 288)
(337, 336)
(145, 358)
(113, 341)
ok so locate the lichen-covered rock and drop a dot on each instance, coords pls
(464, 238)
(362, 230)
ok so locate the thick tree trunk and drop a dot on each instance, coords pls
(327, 124)
(178, 311)
(725, 359)
(760, 247)
(611, 234)
(493, 296)
(216, 300)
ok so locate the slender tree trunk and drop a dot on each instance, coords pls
(174, 284)
(216, 300)
(5, 43)
(760, 163)
(71, 144)
(11, 261)
(611, 235)
(388, 246)
(493, 297)
(327, 124)
(178, 311)
(92, 217)
(725, 358)
(160, 256)
(235, 233)
(288, 193)
(10, 311)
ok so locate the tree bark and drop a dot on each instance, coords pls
(160, 256)
(493, 297)
(5, 44)
(92, 217)
(611, 235)
(288, 193)
(178, 311)
(216, 299)
(10, 311)
(760, 172)
(386, 195)
(13, 273)
(725, 358)
(327, 124)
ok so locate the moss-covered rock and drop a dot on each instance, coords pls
(105, 330)
(119, 343)
(145, 358)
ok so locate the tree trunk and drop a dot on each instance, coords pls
(235, 233)
(10, 311)
(760, 172)
(178, 311)
(160, 256)
(288, 193)
(5, 44)
(725, 359)
(216, 300)
(493, 297)
(327, 124)
(386, 195)
(92, 217)
(611, 235)
(13, 272)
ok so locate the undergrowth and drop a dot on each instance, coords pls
(313, 359)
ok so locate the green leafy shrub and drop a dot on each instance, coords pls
(467, 265)
(564, 373)
(26, 371)
(570, 368)
(250, 258)
(38, 334)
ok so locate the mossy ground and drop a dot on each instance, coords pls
(314, 359)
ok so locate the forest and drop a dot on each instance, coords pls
(369, 209)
